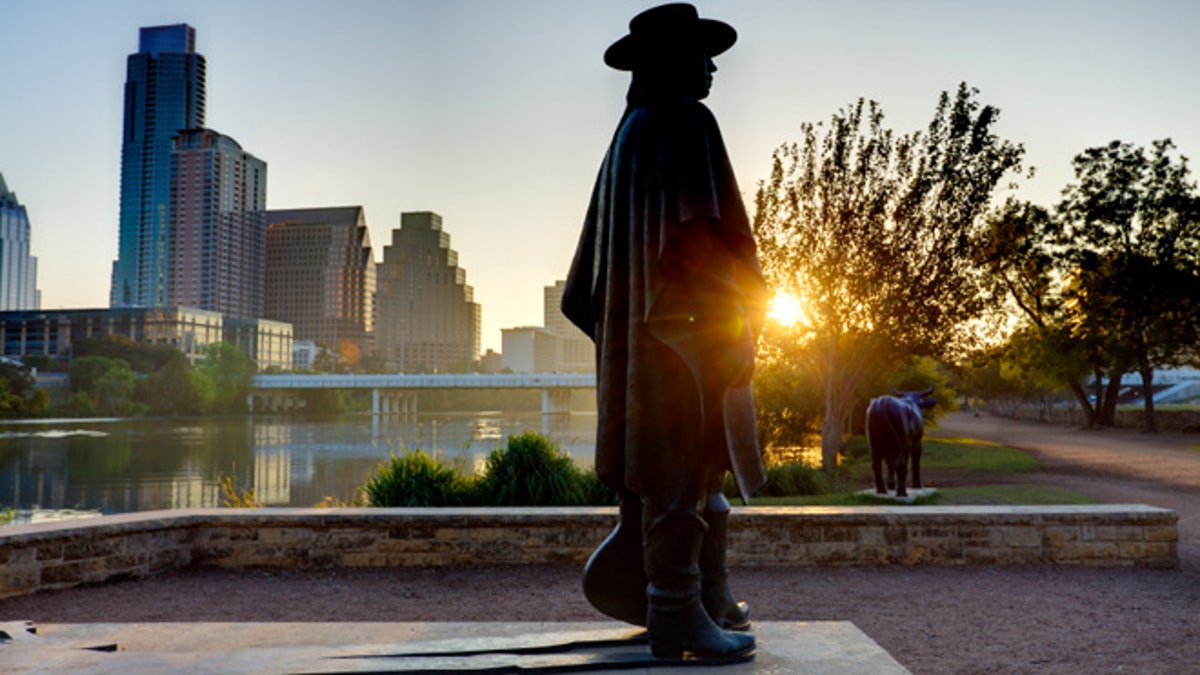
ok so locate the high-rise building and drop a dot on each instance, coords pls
(320, 277)
(576, 352)
(216, 235)
(18, 269)
(428, 320)
(164, 94)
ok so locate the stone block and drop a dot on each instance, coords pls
(1161, 533)
(1016, 537)
(1119, 533)
(51, 551)
(70, 574)
(870, 536)
(284, 535)
(1090, 551)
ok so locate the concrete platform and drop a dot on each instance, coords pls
(783, 647)
(913, 494)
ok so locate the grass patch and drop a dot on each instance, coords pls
(973, 455)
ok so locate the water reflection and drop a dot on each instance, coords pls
(116, 466)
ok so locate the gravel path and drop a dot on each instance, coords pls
(933, 620)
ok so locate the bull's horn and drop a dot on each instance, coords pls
(927, 391)
(895, 391)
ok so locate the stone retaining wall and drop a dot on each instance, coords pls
(58, 555)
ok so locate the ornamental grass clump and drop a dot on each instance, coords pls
(794, 478)
(416, 479)
(532, 470)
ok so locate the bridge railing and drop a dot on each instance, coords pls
(428, 381)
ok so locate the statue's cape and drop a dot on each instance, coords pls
(666, 281)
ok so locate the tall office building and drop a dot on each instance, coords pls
(164, 94)
(427, 320)
(18, 269)
(216, 236)
(576, 352)
(320, 277)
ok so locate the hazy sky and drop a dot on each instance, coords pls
(496, 113)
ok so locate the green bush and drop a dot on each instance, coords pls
(788, 479)
(532, 471)
(794, 478)
(416, 479)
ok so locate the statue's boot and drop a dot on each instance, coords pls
(614, 579)
(677, 622)
(717, 598)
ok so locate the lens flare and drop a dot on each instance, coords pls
(786, 310)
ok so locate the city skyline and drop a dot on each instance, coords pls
(496, 114)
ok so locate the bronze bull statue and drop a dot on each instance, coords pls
(894, 430)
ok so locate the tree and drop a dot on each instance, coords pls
(229, 373)
(1025, 267)
(108, 383)
(1131, 234)
(142, 357)
(18, 396)
(171, 389)
(877, 233)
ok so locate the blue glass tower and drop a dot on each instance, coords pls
(164, 94)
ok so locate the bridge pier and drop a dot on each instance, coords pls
(391, 403)
(556, 401)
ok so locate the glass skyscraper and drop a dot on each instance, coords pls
(164, 94)
(18, 269)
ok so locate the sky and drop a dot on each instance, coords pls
(496, 113)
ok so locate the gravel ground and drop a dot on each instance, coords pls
(1035, 619)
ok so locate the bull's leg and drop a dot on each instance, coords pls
(901, 476)
(916, 462)
(877, 467)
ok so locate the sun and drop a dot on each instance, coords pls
(786, 309)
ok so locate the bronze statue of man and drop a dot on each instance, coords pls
(666, 282)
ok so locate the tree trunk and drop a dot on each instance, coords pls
(831, 440)
(1147, 374)
(1089, 412)
(1107, 409)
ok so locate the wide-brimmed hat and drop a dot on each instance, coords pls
(667, 28)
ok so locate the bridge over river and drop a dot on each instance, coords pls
(395, 394)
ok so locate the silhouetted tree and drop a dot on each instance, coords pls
(1025, 266)
(1131, 235)
(877, 233)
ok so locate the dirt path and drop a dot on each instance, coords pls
(1111, 465)
(933, 620)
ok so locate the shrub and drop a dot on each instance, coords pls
(788, 479)
(416, 479)
(532, 470)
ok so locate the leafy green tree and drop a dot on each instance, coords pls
(229, 374)
(877, 233)
(1131, 234)
(18, 395)
(108, 383)
(142, 357)
(171, 389)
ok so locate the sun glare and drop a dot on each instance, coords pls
(786, 310)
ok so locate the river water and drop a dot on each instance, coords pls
(58, 468)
